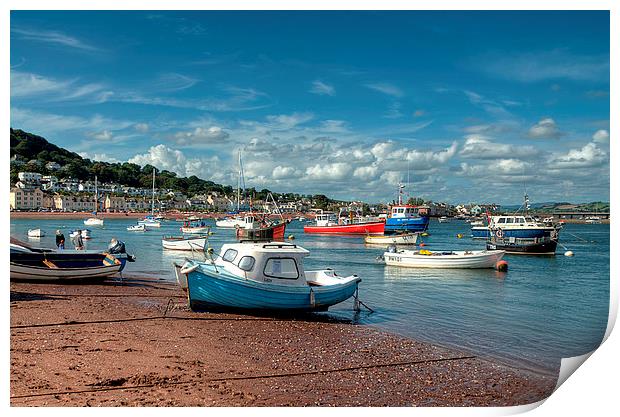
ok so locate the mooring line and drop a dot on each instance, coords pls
(250, 377)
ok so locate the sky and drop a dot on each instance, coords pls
(461, 106)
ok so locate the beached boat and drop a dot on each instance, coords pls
(524, 246)
(327, 222)
(406, 217)
(181, 277)
(184, 242)
(84, 232)
(36, 233)
(137, 228)
(401, 239)
(264, 276)
(444, 259)
(195, 226)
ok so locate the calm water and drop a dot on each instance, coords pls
(542, 309)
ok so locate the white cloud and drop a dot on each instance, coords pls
(105, 135)
(333, 126)
(386, 88)
(329, 172)
(288, 121)
(213, 134)
(588, 156)
(545, 129)
(478, 146)
(323, 89)
(601, 136)
(141, 127)
(99, 157)
(34, 85)
(163, 157)
(52, 37)
(284, 172)
(366, 173)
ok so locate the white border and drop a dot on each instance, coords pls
(589, 391)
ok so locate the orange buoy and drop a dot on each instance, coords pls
(501, 266)
(422, 244)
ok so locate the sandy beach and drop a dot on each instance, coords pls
(133, 342)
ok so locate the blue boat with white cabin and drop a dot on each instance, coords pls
(406, 217)
(263, 276)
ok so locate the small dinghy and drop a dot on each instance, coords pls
(263, 276)
(195, 226)
(137, 228)
(447, 259)
(36, 233)
(401, 239)
(184, 243)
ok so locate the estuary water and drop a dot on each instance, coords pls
(539, 311)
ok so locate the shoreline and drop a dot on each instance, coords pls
(134, 342)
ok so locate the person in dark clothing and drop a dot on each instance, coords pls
(60, 240)
(77, 240)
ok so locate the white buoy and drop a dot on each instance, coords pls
(569, 253)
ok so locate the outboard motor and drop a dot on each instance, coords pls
(117, 247)
(391, 249)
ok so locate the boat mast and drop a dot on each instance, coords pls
(96, 197)
(239, 183)
(153, 197)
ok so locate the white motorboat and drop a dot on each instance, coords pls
(137, 228)
(184, 243)
(93, 221)
(400, 239)
(443, 219)
(84, 232)
(195, 226)
(149, 222)
(36, 233)
(231, 222)
(446, 259)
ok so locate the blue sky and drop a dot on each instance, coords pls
(471, 106)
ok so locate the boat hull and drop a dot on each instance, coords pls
(184, 244)
(405, 239)
(275, 232)
(357, 228)
(195, 230)
(212, 290)
(406, 224)
(93, 222)
(524, 246)
(483, 232)
(479, 259)
(68, 266)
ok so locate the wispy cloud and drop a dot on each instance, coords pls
(25, 84)
(386, 88)
(545, 65)
(52, 37)
(173, 81)
(323, 89)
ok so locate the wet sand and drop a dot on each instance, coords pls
(133, 342)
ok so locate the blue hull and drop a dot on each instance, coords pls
(412, 224)
(209, 289)
(483, 233)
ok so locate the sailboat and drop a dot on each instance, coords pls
(95, 221)
(151, 221)
(237, 221)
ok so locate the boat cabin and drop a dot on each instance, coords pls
(326, 219)
(275, 262)
(406, 211)
(512, 221)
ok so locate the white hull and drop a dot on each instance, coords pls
(230, 223)
(457, 259)
(85, 234)
(406, 239)
(181, 277)
(195, 230)
(149, 223)
(93, 221)
(51, 274)
(184, 244)
(137, 228)
(36, 233)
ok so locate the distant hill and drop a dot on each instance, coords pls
(33, 152)
(551, 206)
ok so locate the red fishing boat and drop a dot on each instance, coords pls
(260, 230)
(329, 223)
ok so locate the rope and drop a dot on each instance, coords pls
(250, 377)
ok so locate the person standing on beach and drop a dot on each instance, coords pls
(60, 240)
(77, 240)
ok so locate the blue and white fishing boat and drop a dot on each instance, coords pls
(406, 217)
(519, 225)
(263, 276)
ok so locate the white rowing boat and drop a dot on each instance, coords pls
(36, 233)
(446, 259)
(184, 243)
(402, 239)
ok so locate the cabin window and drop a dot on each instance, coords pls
(510, 220)
(520, 220)
(230, 255)
(501, 220)
(246, 263)
(401, 210)
(284, 268)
